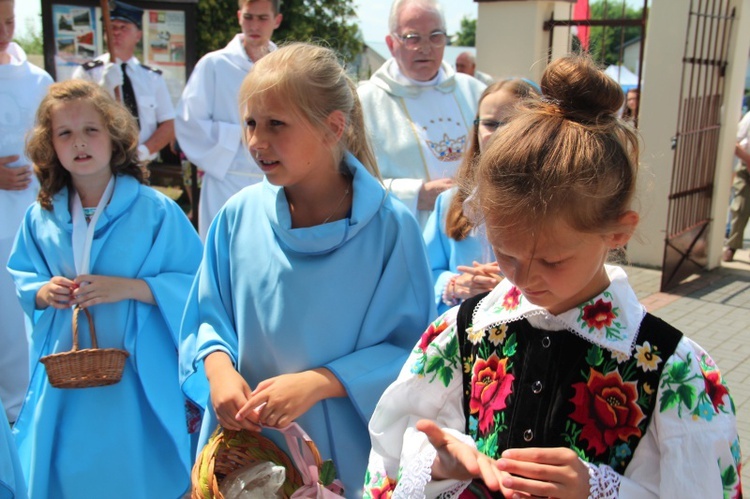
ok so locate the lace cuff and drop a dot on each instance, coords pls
(415, 475)
(415, 480)
(454, 491)
(604, 482)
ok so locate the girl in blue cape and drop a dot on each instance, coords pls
(460, 256)
(100, 239)
(314, 284)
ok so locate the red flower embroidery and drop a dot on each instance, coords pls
(714, 388)
(385, 490)
(490, 387)
(599, 314)
(432, 333)
(608, 409)
(512, 298)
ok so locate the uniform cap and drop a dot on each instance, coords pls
(125, 12)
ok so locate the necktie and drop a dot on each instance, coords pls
(128, 96)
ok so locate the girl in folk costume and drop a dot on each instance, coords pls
(461, 259)
(557, 383)
(314, 284)
(99, 238)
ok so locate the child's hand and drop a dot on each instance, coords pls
(429, 192)
(476, 279)
(229, 391)
(491, 269)
(278, 401)
(57, 293)
(96, 289)
(459, 461)
(556, 472)
(14, 178)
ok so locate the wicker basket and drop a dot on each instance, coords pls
(88, 367)
(227, 451)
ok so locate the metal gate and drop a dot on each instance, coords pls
(696, 141)
(608, 22)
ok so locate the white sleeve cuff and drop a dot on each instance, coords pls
(144, 154)
(604, 482)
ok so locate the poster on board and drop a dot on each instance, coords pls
(164, 47)
(78, 38)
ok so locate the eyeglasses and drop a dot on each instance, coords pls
(490, 125)
(412, 41)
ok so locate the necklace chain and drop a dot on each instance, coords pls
(341, 201)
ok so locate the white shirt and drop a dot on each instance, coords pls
(209, 128)
(22, 87)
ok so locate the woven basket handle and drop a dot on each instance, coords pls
(76, 310)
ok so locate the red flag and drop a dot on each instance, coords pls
(581, 13)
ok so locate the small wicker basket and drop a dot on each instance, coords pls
(88, 367)
(228, 450)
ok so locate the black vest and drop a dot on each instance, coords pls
(527, 387)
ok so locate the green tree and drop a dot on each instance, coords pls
(467, 35)
(216, 25)
(31, 42)
(605, 43)
(329, 22)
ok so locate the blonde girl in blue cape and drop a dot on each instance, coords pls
(314, 283)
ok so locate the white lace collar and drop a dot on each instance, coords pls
(610, 320)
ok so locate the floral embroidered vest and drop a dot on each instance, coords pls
(527, 387)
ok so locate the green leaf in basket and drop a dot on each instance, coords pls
(327, 473)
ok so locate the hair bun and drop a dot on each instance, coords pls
(580, 89)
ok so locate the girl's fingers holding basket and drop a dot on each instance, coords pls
(275, 420)
(249, 410)
(248, 417)
(225, 418)
(284, 421)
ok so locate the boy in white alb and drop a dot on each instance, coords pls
(208, 124)
(22, 86)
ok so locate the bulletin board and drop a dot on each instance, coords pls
(74, 34)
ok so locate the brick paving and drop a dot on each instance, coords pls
(713, 309)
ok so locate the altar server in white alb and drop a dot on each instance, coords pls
(209, 127)
(142, 89)
(418, 110)
(22, 87)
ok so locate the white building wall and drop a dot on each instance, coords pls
(510, 39)
(511, 42)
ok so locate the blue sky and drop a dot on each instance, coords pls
(373, 15)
